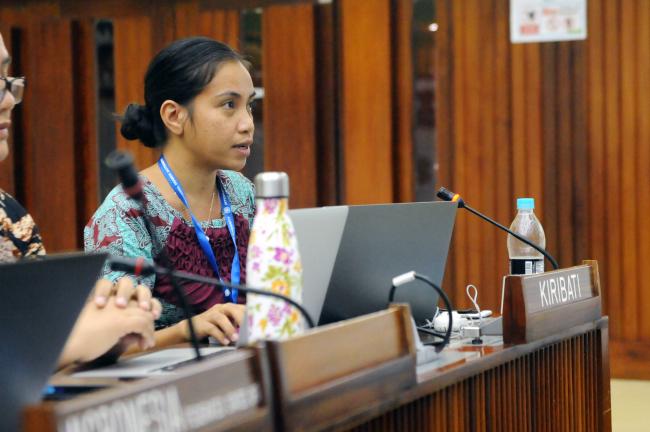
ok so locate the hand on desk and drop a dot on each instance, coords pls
(124, 292)
(123, 316)
(221, 321)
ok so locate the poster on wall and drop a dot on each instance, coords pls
(547, 20)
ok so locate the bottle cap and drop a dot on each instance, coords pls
(525, 203)
(272, 185)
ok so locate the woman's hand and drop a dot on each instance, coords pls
(124, 292)
(221, 321)
(113, 326)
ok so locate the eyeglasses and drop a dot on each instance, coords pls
(15, 86)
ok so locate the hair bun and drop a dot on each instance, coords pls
(137, 124)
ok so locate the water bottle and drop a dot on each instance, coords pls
(523, 258)
(273, 262)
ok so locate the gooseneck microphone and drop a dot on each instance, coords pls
(447, 195)
(410, 277)
(122, 163)
(144, 267)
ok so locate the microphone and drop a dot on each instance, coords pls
(410, 277)
(447, 195)
(140, 266)
(122, 162)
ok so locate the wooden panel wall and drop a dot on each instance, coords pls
(366, 138)
(48, 135)
(86, 116)
(49, 141)
(327, 105)
(567, 123)
(619, 140)
(402, 31)
(132, 51)
(506, 124)
(290, 137)
(479, 153)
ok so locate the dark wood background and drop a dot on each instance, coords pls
(567, 123)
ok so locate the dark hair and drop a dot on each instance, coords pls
(179, 72)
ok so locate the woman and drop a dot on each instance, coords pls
(198, 111)
(19, 236)
(121, 313)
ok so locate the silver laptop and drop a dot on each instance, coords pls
(351, 253)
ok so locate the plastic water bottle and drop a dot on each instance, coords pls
(273, 262)
(523, 258)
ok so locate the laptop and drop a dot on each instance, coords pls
(350, 255)
(41, 300)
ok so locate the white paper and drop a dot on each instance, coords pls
(547, 20)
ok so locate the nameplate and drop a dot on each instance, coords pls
(334, 371)
(214, 394)
(536, 306)
(548, 290)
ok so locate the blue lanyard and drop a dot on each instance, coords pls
(231, 295)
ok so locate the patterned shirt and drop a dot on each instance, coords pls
(19, 235)
(117, 227)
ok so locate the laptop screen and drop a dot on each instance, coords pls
(41, 300)
(350, 255)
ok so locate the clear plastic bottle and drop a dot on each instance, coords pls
(523, 258)
(273, 262)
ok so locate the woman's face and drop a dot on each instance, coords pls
(6, 104)
(220, 130)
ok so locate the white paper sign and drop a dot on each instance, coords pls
(547, 20)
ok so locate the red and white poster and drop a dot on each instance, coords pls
(547, 20)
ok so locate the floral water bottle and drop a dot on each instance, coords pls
(523, 258)
(273, 262)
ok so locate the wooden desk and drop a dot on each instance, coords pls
(554, 384)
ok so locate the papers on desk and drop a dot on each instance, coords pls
(157, 363)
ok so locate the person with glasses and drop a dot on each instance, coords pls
(118, 314)
(19, 235)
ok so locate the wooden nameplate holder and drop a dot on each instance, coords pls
(537, 306)
(332, 372)
(229, 392)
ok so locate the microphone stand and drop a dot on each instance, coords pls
(178, 290)
(129, 265)
(447, 195)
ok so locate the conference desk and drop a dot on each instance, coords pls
(557, 383)
(554, 384)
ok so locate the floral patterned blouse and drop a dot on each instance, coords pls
(117, 227)
(19, 235)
